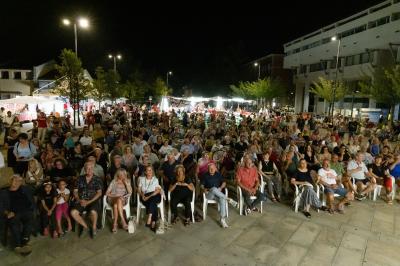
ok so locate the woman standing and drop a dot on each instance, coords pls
(150, 196)
(181, 192)
(118, 193)
(308, 196)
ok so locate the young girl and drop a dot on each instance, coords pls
(63, 194)
(48, 200)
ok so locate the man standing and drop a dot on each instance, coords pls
(16, 209)
(247, 179)
(42, 127)
(86, 194)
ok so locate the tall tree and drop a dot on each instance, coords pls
(324, 89)
(99, 92)
(71, 81)
(112, 79)
(384, 86)
(160, 88)
(134, 88)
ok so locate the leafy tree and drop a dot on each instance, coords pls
(160, 88)
(134, 88)
(384, 86)
(99, 92)
(324, 89)
(112, 79)
(71, 81)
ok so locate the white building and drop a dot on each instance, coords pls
(367, 39)
(15, 82)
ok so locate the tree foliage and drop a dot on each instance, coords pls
(99, 92)
(325, 87)
(263, 88)
(160, 88)
(134, 88)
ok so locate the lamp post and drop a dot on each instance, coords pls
(169, 73)
(115, 57)
(334, 38)
(256, 64)
(82, 22)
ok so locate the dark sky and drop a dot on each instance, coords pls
(205, 45)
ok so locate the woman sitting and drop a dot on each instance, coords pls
(118, 193)
(181, 192)
(270, 173)
(150, 196)
(34, 175)
(309, 196)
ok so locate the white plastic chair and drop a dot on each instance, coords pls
(181, 205)
(108, 207)
(207, 201)
(297, 196)
(322, 190)
(141, 206)
(373, 194)
(378, 189)
(241, 200)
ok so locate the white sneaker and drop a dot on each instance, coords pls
(233, 203)
(223, 223)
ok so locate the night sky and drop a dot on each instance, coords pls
(205, 45)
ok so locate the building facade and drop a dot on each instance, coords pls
(363, 41)
(15, 82)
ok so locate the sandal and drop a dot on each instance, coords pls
(114, 228)
(186, 222)
(274, 199)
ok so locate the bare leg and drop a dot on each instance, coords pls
(121, 211)
(330, 199)
(93, 216)
(115, 212)
(77, 217)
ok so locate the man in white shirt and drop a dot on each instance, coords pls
(359, 173)
(86, 140)
(137, 146)
(329, 179)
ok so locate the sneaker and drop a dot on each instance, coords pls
(92, 233)
(307, 214)
(360, 197)
(233, 203)
(223, 223)
(247, 211)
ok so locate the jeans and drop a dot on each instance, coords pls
(24, 219)
(215, 193)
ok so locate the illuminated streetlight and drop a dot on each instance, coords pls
(169, 73)
(256, 64)
(82, 22)
(115, 57)
(335, 38)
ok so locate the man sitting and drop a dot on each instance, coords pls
(359, 173)
(86, 194)
(329, 179)
(247, 179)
(16, 210)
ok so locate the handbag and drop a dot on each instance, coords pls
(131, 225)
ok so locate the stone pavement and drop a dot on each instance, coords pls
(367, 234)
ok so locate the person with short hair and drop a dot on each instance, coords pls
(16, 209)
(181, 190)
(24, 151)
(362, 178)
(86, 195)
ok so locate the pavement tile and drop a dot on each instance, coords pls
(305, 234)
(352, 241)
(382, 253)
(346, 256)
(290, 254)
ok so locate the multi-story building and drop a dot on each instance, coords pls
(15, 82)
(363, 41)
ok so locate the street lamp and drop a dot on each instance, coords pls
(115, 57)
(82, 23)
(256, 64)
(334, 38)
(169, 73)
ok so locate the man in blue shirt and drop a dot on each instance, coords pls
(213, 184)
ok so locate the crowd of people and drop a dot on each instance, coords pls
(127, 154)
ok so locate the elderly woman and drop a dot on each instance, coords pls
(118, 193)
(309, 196)
(150, 196)
(129, 159)
(181, 192)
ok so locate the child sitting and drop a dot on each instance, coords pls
(63, 195)
(48, 200)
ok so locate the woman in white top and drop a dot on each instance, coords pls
(150, 196)
(118, 194)
(34, 175)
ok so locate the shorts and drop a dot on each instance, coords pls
(340, 191)
(94, 206)
(364, 181)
